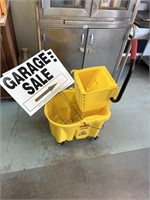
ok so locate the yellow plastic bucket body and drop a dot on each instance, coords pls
(94, 87)
(64, 118)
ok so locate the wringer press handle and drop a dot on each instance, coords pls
(131, 69)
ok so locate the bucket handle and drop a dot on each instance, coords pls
(131, 69)
(95, 127)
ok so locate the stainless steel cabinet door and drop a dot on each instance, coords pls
(68, 44)
(103, 47)
(113, 8)
(66, 7)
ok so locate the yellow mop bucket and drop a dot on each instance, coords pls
(80, 112)
(65, 121)
(94, 87)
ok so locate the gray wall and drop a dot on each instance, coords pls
(24, 19)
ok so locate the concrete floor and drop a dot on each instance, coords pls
(116, 166)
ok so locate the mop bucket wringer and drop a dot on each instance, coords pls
(81, 111)
(94, 87)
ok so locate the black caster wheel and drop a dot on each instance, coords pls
(95, 138)
(61, 143)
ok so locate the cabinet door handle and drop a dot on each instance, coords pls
(82, 39)
(91, 39)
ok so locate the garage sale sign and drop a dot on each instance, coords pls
(36, 81)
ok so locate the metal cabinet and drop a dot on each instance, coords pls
(85, 33)
(78, 47)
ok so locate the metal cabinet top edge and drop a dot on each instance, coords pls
(103, 15)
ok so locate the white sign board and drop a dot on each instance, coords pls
(36, 81)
